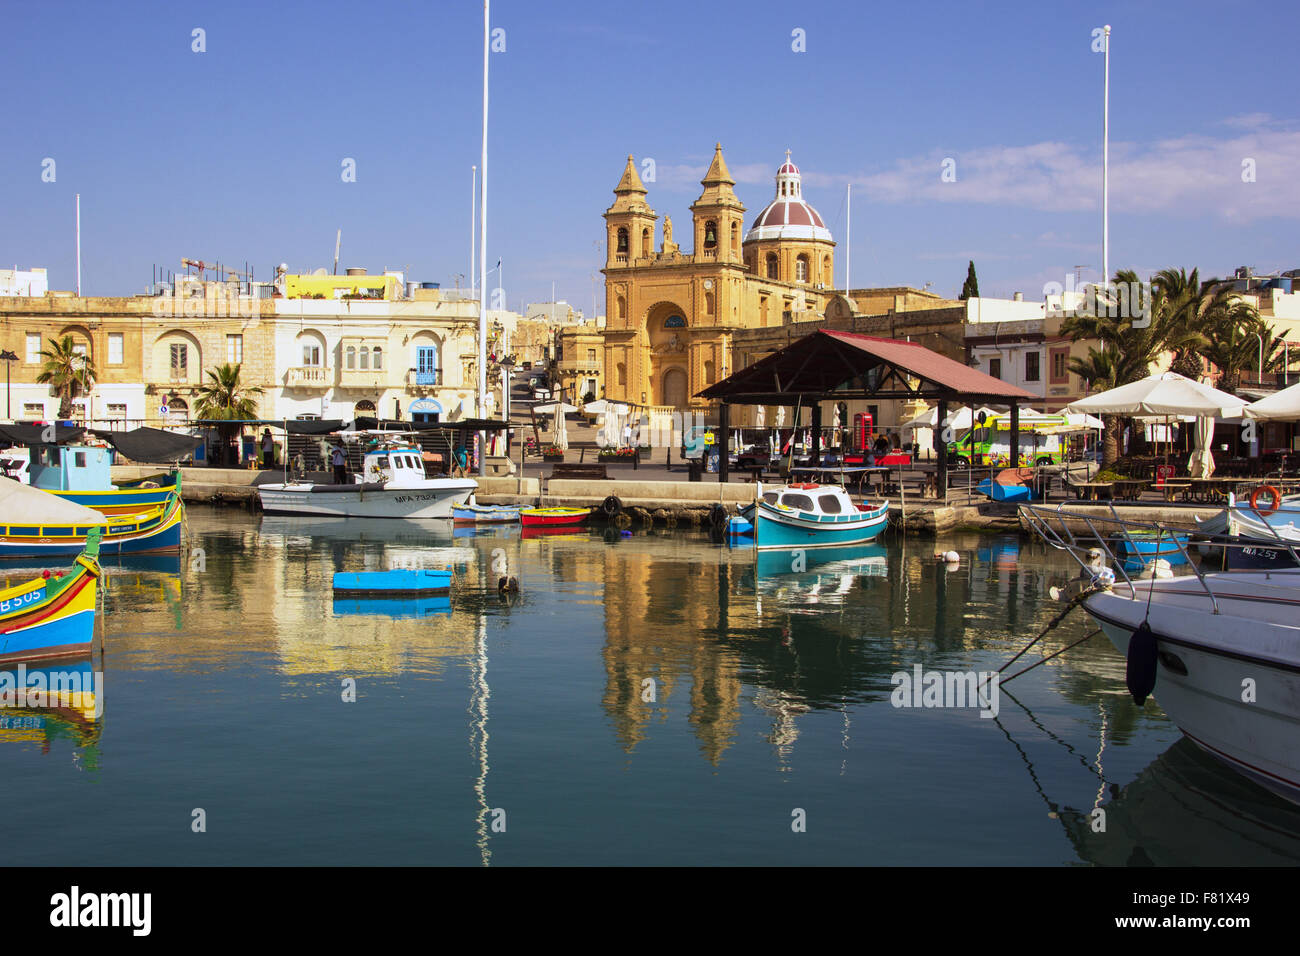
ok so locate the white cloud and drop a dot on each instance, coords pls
(1193, 175)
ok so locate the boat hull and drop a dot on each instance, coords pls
(50, 617)
(125, 499)
(360, 501)
(396, 583)
(485, 514)
(1199, 684)
(783, 528)
(553, 517)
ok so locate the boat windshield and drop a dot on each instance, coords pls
(799, 502)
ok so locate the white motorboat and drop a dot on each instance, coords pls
(1219, 651)
(392, 485)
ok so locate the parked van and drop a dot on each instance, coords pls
(989, 443)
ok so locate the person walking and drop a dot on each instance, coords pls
(340, 462)
(268, 449)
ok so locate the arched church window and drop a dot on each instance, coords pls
(771, 265)
(710, 234)
(620, 307)
(801, 269)
(622, 241)
(621, 373)
(708, 372)
(735, 238)
(674, 322)
(647, 244)
(708, 303)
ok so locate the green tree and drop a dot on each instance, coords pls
(971, 287)
(1133, 329)
(224, 399)
(69, 371)
(1234, 346)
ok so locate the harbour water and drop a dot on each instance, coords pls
(646, 698)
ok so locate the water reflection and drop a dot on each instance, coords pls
(636, 664)
(51, 713)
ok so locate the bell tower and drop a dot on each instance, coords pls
(719, 215)
(629, 222)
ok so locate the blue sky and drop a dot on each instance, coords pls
(235, 153)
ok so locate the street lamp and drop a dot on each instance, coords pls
(7, 357)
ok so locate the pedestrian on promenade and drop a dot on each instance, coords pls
(268, 449)
(340, 462)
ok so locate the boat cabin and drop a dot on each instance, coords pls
(813, 499)
(394, 466)
(60, 467)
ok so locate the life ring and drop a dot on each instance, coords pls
(1275, 499)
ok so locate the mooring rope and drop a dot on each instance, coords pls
(1086, 637)
(1051, 625)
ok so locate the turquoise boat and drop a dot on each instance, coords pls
(81, 474)
(809, 515)
(399, 582)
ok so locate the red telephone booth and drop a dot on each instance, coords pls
(862, 430)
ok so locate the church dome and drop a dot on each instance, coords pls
(787, 216)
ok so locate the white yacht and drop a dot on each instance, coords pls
(392, 484)
(1220, 651)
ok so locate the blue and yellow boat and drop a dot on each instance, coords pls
(52, 615)
(81, 474)
(40, 525)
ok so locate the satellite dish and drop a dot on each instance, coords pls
(322, 271)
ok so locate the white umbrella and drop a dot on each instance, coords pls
(561, 439)
(1283, 406)
(1166, 393)
(550, 407)
(1201, 462)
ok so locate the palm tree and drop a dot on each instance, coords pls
(1172, 321)
(224, 399)
(1234, 345)
(68, 370)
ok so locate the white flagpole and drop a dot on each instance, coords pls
(473, 225)
(78, 245)
(482, 248)
(1105, 170)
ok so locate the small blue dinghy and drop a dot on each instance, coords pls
(395, 583)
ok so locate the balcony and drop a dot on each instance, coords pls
(363, 378)
(314, 377)
(423, 380)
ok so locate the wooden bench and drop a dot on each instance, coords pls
(565, 470)
(914, 484)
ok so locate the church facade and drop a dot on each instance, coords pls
(671, 315)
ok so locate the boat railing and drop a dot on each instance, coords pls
(1052, 525)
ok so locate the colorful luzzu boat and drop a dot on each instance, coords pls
(128, 497)
(553, 517)
(812, 516)
(81, 474)
(40, 525)
(52, 615)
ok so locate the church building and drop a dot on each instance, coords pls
(671, 315)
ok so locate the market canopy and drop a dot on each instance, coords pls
(829, 366)
(21, 434)
(1283, 406)
(150, 444)
(1166, 393)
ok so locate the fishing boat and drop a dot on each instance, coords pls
(474, 513)
(52, 615)
(392, 485)
(1218, 650)
(1257, 535)
(50, 527)
(809, 515)
(553, 517)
